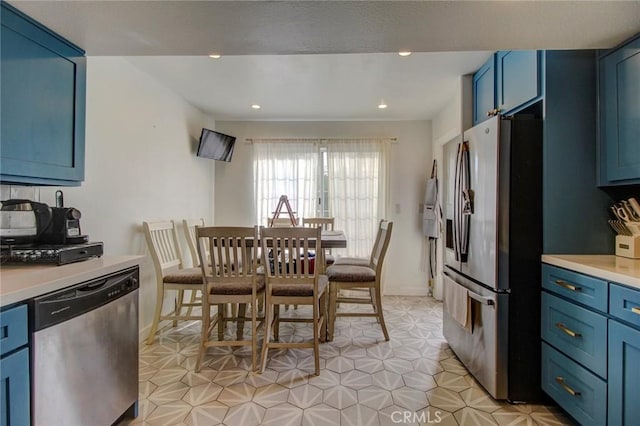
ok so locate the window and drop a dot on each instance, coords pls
(341, 178)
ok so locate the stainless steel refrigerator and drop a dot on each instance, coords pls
(493, 238)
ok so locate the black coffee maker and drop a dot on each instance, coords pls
(64, 227)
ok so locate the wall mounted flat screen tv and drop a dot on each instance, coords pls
(216, 145)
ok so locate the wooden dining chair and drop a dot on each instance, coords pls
(162, 240)
(326, 223)
(189, 226)
(290, 280)
(230, 277)
(348, 277)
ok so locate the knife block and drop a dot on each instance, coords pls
(628, 246)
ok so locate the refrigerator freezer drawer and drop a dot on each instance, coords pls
(482, 347)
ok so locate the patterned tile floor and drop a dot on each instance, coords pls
(412, 379)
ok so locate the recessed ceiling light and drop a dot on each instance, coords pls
(255, 106)
(404, 53)
(214, 56)
(382, 105)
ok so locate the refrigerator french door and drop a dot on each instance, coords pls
(493, 238)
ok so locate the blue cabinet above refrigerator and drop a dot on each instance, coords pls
(42, 104)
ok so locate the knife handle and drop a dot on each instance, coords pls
(634, 205)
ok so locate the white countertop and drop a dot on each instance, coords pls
(22, 282)
(608, 267)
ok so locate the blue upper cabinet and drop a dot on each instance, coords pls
(518, 79)
(484, 95)
(42, 104)
(620, 115)
(508, 82)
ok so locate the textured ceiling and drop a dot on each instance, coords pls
(311, 84)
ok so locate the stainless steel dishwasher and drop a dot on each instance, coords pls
(85, 352)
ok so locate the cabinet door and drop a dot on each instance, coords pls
(620, 113)
(484, 91)
(624, 374)
(42, 104)
(14, 389)
(517, 79)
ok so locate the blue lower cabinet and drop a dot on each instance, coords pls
(14, 389)
(581, 393)
(576, 332)
(624, 375)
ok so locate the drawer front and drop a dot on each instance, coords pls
(14, 389)
(624, 376)
(624, 303)
(13, 328)
(575, 331)
(580, 392)
(581, 288)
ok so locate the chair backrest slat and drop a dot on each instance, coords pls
(381, 245)
(291, 250)
(189, 226)
(234, 252)
(326, 223)
(162, 239)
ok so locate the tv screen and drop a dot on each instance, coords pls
(216, 145)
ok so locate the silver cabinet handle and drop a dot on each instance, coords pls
(568, 286)
(566, 387)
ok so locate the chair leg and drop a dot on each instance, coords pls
(242, 311)
(156, 315)
(254, 334)
(380, 313)
(178, 306)
(221, 320)
(204, 334)
(333, 296)
(192, 299)
(323, 317)
(316, 338)
(276, 323)
(267, 333)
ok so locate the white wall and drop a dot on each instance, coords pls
(140, 164)
(448, 125)
(405, 272)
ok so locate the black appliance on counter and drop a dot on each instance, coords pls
(64, 227)
(36, 233)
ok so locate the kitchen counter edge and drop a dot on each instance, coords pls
(22, 282)
(607, 267)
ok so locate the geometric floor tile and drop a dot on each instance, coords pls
(445, 399)
(321, 415)
(471, 416)
(340, 397)
(207, 414)
(359, 415)
(249, 414)
(271, 395)
(412, 379)
(305, 396)
(374, 397)
(283, 415)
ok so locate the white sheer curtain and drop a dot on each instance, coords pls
(285, 167)
(358, 194)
